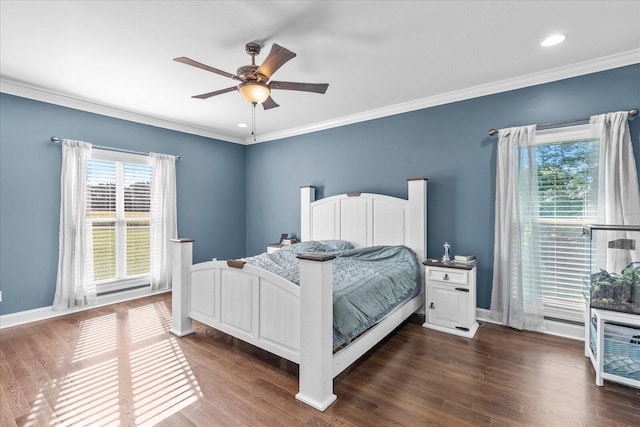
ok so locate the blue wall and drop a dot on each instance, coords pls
(234, 200)
(210, 186)
(447, 144)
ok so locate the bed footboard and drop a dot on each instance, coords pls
(263, 309)
(241, 300)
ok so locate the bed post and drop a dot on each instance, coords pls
(307, 196)
(182, 257)
(417, 238)
(316, 331)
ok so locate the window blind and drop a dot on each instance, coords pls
(137, 204)
(566, 174)
(101, 213)
(119, 194)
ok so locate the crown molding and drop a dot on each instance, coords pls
(631, 57)
(24, 90)
(581, 68)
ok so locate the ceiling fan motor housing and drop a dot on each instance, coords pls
(248, 73)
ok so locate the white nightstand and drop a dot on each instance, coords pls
(450, 298)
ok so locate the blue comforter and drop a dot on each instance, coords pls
(367, 282)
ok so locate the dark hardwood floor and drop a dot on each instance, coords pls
(118, 365)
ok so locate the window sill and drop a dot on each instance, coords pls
(107, 287)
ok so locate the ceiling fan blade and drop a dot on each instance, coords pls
(276, 59)
(217, 92)
(197, 64)
(305, 87)
(269, 104)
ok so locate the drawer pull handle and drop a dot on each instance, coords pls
(446, 277)
(462, 289)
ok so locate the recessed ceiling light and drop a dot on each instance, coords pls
(242, 125)
(553, 40)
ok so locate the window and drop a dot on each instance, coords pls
(118, 210)
(565, 179)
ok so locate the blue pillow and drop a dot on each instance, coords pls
(340, 245)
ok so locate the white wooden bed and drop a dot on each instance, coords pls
(264, 309)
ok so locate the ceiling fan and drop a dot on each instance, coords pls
(255, 86)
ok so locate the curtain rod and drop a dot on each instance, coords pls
(57, 140)
(632, 114)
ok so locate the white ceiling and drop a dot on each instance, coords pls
(379, 57)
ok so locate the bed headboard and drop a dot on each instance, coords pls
(367, 219)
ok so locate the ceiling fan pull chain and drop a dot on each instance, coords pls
(253, 122)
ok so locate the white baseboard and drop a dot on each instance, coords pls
(560, 329)
(27, 316)
(565, 330)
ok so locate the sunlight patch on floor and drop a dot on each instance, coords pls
(89, 396)
(118, 375)
(148, 321)
(97, 336)
(162, 382)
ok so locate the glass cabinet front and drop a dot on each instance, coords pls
(614, 278)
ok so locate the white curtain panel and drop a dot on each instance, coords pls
(514, 302)
(618, 192)
(75, 267)
(164, 223)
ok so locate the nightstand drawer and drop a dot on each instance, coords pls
(448, 275)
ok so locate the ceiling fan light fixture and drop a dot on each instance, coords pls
(254, 92)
